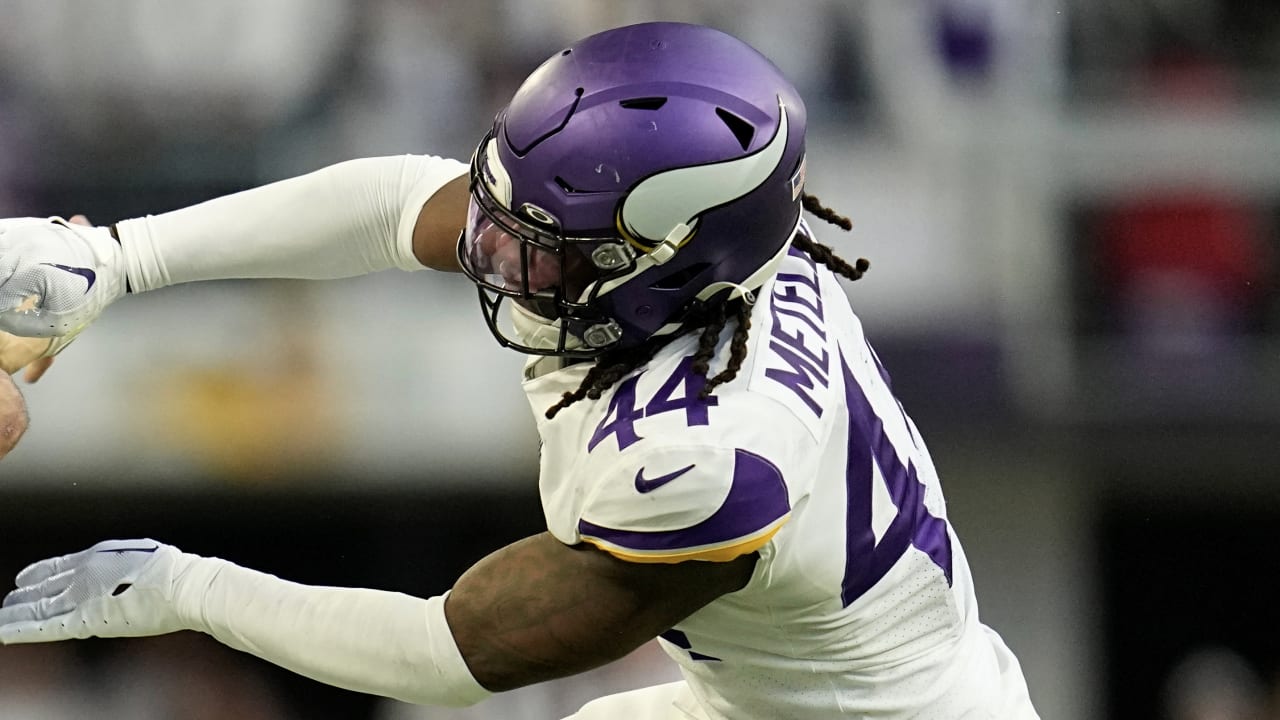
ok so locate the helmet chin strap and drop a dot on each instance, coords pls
(538, 332)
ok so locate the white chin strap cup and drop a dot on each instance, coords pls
(538, 332)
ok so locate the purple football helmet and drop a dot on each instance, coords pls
(636, 175)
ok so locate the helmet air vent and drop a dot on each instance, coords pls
(643, 103)
(741, 129)
(570, 189)
(680, 278)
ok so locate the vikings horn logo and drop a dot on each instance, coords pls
(664, 201)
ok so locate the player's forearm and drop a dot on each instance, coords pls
(371, 641)
(348, 219)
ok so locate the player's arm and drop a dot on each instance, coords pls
(348, 219)
(535, 610)
(539, 609)
(439, 223)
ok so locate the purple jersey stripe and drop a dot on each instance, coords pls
(757, 498)
(680, 640)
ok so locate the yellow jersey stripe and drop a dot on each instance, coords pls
(723, 552)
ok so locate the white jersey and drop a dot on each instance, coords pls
(861, 603)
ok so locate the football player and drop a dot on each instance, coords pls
(724, 463)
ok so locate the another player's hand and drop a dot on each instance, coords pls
(13, 415)
(56, 277)
(117, 588)
(17, 353)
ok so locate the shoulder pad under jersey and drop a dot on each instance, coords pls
(676, 503)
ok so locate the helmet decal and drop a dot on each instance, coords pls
(661, 202)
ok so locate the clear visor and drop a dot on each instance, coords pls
(514, 258)
(504, 262)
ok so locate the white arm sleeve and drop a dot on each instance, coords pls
(348, 219)
(370, 641)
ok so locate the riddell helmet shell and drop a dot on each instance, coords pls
(635, 175)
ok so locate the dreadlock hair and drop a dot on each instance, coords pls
(710, 321)
(823, 253)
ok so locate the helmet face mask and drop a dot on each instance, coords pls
(524, 258)
(634, 176)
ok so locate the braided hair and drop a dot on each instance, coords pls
(609, 368)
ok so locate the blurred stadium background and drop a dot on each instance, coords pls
(1071, 208)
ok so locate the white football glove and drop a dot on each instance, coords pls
(56, 277)
(117, 588)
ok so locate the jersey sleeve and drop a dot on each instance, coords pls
(347, 219)
(686, 503)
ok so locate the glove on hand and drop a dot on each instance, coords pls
(117, 588)
(56, 277)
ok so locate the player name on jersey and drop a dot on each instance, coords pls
(798, 327)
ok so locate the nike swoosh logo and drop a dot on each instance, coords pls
(647, 485)
(85, 273)
(121, 551)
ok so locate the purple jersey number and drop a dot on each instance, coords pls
(867, 561)
(622, 415)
